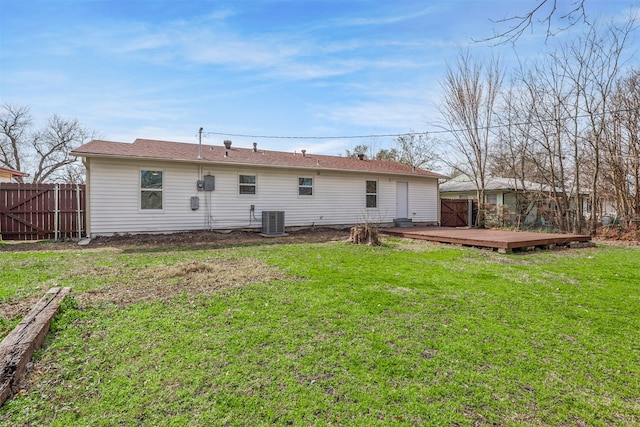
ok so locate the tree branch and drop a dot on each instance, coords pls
(521, 22)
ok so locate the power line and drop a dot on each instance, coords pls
(318, 137)
(441, 131)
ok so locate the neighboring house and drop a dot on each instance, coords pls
(158, 187)
(509, 201)
(606, 205)
(10, 175)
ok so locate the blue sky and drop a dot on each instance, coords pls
(162, 69)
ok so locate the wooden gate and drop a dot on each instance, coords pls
(455, 212)
(41, 211)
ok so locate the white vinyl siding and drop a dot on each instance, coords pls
(339, 198)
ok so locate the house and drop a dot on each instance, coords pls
(500, 196)
(508, 201)
(10, 175)
(151, 186)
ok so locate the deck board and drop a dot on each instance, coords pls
(497, 239)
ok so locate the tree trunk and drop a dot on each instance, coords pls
(364, 234)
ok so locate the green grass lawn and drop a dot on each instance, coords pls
(409, 333)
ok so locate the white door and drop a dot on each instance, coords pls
(402, 199)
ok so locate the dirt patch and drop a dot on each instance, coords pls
(167, 281)
(163, 282)
(215, 239)
(190, 277)
(18, 308)
(624, 243)
(185, 240)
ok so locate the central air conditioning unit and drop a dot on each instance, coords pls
(273, 223)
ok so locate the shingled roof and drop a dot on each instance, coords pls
(492, 184)
(217, 154)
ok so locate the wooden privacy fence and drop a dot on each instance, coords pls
(41, 211)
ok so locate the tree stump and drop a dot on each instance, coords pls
(364, 234)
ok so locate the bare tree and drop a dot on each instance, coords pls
(390, 154)
(470, 93)
(573, 87)
(598, 61)
(369, 152)
(365, 150)
(15, 122)
(53, 145)
(417, 150)
(569, 69)
(558, 145)
(511, 157)
(44, 153)
(621, 147)
(556, 123)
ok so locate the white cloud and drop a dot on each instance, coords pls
(283, 54)
(144, 42)
(378, 20)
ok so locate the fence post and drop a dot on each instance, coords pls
(79, 213)
(56, 213)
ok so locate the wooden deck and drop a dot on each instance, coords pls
(504, 241)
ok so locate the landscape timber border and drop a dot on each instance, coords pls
(16, 350)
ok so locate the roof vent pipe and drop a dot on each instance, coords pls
(255, 147)
(361, 156)
(304, 153)
(227, 144)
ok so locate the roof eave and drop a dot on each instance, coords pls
(234, 163)
(14, 172)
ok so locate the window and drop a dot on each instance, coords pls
(247, 184)
(492, 199)
(150, 189)
(372, 194)
(305, 186)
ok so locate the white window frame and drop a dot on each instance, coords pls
(367, 194)
(142, 189)
(301, 186)
(245, 184)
